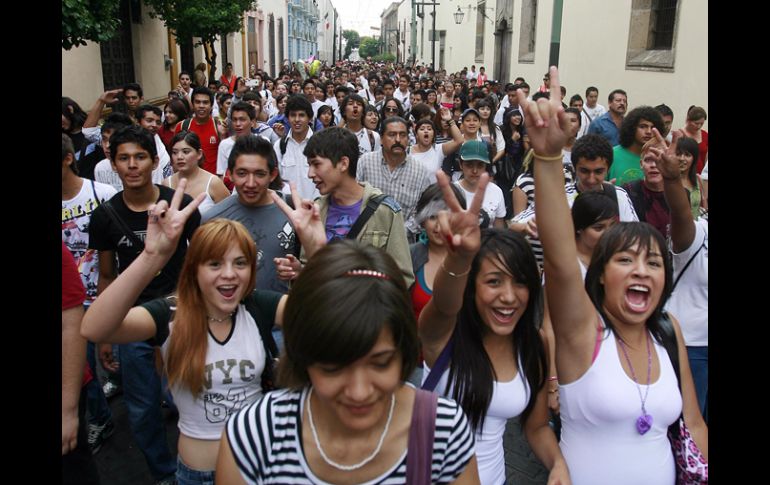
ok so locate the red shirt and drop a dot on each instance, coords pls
(703, 149)
(73, 293)
(209, 136)
(230, 84)
(421, 295)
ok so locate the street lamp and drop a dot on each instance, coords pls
(459, 16)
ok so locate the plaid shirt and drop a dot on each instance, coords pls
(406, 183)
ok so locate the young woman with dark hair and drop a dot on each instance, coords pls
(187, 160)
(486, 313)
(592, 214)
(619, 392)
(210, 334)
(687, 151)
(346, 413)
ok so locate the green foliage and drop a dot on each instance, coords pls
(354, 40)
(386, 57)
(369, 47)
(207, 19)
(88, 20)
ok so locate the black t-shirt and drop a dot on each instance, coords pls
(89, 157)
(105, 235)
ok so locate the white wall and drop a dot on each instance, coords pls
(325, 35)
(81, 74)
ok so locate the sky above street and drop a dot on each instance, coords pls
(361, 15)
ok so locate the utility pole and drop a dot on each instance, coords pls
(433, 36)
(413, 40)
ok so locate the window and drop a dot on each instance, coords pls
(652, 35)
(528, 31)
(480, 31)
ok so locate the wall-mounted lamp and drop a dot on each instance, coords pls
(459, 14)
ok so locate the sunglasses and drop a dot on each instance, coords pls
(391, 110)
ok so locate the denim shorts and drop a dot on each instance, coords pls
(187, 476)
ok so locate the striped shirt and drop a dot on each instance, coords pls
(265, 439)
(406, 183)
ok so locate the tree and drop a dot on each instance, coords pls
(88, 20)
(369, 47)
(354, 40)
(206, 19)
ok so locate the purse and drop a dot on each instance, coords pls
(691, 466)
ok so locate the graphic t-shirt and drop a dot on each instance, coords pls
(75, 220)
(340, 219)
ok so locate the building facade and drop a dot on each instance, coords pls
(304, 17)
(655, 51)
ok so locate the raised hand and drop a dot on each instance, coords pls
(306, 219)
(666, 159)
(287, 268)
(546, 123)
(110, 97)
(165, 223)
(446, 115)
(279, 129)
(461, 227)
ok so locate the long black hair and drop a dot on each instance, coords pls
(621, 237)
(471, 371)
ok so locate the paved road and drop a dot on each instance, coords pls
(121, 463)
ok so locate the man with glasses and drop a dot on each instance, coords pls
(395, 172)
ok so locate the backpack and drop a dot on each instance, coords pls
(186, 126)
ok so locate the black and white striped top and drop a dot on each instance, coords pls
(265, 438)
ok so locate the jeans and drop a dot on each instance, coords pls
(187, 476)
(699, 366)
(98, 410)
(142, 396)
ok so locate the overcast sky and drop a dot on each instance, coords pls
(361, 15)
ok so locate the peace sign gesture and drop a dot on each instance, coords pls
(165, 223)
(666, 159)
(546, 123)
(461, 227)
(306, 219)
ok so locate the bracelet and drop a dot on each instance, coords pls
(454, 275)
(552, 391)
(553, 378)
(558, 158)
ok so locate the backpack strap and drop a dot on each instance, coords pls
(123, 227)
(96, 196)
(688, 264)
(371, 138)
(419, 455)
(186, 124)
(442, 362)
(588, 116)
(371, 207)
(282, 145)
(271, 349)
(609, 191)
(672, 349)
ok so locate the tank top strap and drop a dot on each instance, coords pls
(208, 184)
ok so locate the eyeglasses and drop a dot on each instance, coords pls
(391, 110)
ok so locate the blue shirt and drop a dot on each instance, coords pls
(605, 127)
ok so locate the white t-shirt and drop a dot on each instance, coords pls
(431, 160)
(493, 204)
(223, 152)
(364, 143)
(294, 167)
(689, 302)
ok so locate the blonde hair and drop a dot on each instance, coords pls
(188, 343)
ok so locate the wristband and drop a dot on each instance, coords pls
(553, 378)
(558, 158)
(454, 275)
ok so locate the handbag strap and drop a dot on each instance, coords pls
(135, 241)
(688, 264)
(439, 366)
(419, 455)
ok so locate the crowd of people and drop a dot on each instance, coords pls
(363, 275)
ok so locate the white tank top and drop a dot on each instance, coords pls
(208, 202)
(508, 401)
(599, 439)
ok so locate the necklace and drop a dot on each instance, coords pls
(644, 422)
(220, 320)
(356, 466)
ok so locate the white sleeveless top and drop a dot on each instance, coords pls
(599, 439)
(508, 401)
(208, 202)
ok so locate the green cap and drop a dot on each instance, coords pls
(474, 150)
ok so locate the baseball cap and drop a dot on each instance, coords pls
(468, 111)
(474, 150)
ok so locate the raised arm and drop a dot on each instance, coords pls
(682, 224)
(457, 137)
(572, 313)
(107, 97)
(111, 318)
(461, 230)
